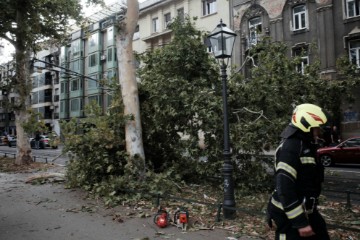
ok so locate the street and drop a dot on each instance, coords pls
(51, 211)
(52, 155)
(41, 155)
(342, 183)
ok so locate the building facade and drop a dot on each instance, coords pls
(76, 74)
(91, 51)
(156, 15)
(7, 116)
(333, 25)
(45, 94)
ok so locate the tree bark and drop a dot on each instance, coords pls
(129, 87)
(22, 88)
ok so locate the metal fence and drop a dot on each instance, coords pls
(13, 155)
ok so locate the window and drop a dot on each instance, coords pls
(209, 7)
(35, 98)
(64, 87)
(167, 20)
(180, 14)
(75, 66)
(299, 17)
(97, 99)
(207, 43)
(352, 143)
(62, 54)
(111, 75)
(93, 82)
(93, 60)
(48, 95)
(35, 82)
(304, 59)
(41, 79)
(75, 48)
(109, 55)
(110, 35)
(75, 104)
(41, 96)
(352, 8)
(94, 40)
(255, 28)
(137, 33)
(64, 107)
(354, 52)
(155, 25)
(75, 85)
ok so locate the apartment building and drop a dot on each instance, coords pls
(332, 24)
(91, 51)
(45, 94)
(155, 16)
(7, 117)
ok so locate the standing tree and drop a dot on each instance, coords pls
(262, 103)
(24, 23)
(129, 87)
(180, 100)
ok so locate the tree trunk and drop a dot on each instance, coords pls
(23, 155)
(129, 88)
(22, 88)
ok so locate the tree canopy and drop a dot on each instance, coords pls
(181, 98)
(262, 103)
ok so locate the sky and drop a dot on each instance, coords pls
(7, 50)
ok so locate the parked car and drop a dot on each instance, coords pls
(8, 140)
(11, 141)
(43, 143)
(347, 151)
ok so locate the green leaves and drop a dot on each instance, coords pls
(178, 100)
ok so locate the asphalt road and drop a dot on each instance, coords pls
(52, 212)
(342, 183)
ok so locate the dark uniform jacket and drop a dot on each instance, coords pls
(298, 176)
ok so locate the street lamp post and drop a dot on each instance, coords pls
(222, 42)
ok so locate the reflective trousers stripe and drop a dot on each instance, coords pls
(282, 236)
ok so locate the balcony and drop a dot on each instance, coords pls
(48, 98)
(48, 115)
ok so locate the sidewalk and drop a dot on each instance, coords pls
(51, 212)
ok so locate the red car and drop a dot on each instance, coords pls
(347, 151)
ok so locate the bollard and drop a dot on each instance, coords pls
(218, 213)
(158, 200)
(348, 200)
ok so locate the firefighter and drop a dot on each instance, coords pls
(298, 176)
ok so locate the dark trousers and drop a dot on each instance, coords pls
(285, 231)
